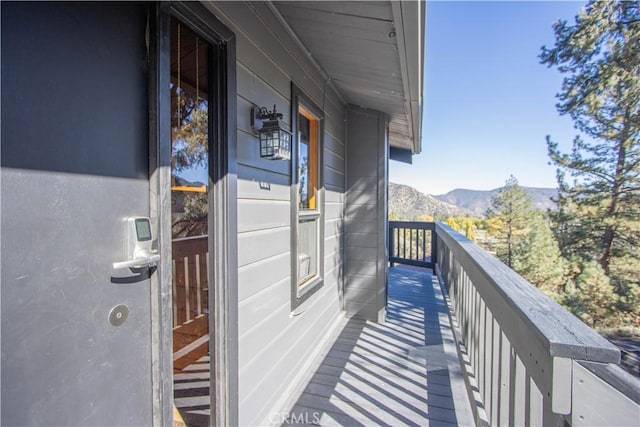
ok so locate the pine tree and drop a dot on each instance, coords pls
(513, 206)
(599, 211)
(537, 257)
(593, 298)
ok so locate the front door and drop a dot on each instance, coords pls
(76, 333)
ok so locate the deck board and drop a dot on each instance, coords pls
(403, 372)
(192, 401)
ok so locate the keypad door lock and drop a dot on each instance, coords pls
(139, 245)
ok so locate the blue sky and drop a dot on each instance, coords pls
(489, 103)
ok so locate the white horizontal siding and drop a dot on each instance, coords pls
(262, 244)
(260, 214)
(259, 275)
(259, 184)
(274, 346)
(278, 362)
(334, 195)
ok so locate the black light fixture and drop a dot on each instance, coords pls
(275, 137)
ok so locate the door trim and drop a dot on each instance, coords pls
(223, 254)
(160, 212)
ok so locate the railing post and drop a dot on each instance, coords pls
(391, 244)
(434, 246)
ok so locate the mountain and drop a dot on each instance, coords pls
(478, 201)
(408, 203)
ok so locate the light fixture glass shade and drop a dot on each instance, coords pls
(275, 141)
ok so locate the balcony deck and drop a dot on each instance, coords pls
(403, 372)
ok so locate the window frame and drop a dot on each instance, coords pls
(301, 292)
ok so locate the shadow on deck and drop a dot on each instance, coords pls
(403, 372)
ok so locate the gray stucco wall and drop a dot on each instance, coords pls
(366, 214)
(275, 346)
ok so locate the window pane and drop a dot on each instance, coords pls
(303, 161)
(307, 249)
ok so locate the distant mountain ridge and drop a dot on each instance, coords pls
(478, 201)
(408, 203)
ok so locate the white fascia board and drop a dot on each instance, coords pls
(409, 21)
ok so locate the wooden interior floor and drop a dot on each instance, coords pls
(403, 372)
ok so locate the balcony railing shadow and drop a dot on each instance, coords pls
(486, 348)
(403, 372)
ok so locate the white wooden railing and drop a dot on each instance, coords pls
(528, 360)
(190, 266)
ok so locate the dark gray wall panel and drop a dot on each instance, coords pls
(369, 211)
(360, 254)
(363, 310)
(334, 144)
(365, 222)
(361, 295)
(74, 164)
(264, 176)
(79, 114)
(249, 155)
(362, 268)
(333, 161)
(366, 282)
(252, 86)
(333, 177)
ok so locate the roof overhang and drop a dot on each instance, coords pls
(371, 52)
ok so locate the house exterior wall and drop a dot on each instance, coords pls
(75, 162)
(366, 214)
(276, 345)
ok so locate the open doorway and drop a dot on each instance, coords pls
(190, 134)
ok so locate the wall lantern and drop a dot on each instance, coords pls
(275, 138)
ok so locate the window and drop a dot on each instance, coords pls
(307, 217)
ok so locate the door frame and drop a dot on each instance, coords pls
(223, 253)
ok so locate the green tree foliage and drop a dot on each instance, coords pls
(189, 150)
(599, 211)
(512, 208)
(190, 130)
(536, 256)
(592, 298)
(192, 221)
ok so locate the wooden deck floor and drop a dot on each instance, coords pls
(192, 407)
(403, 372)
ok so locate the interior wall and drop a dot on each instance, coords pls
(366, 214)
(276, 346)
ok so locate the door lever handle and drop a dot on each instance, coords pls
(145, 261)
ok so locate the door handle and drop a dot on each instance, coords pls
(145, 261)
